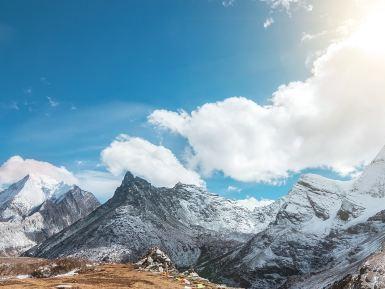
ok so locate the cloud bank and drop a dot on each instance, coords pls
(334, 119)
(16, 168)
(156, 164)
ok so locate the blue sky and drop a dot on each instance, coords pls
(76, 74)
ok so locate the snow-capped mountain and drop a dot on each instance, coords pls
(310, 239)
(323, 230)
(190, 224)
(37, 207)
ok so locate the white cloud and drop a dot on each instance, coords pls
(252, 203)
(156, 164)
(233, 189)
(16, 168)
(268, 22)
(289, 4)
(309, 37)
(333, 119)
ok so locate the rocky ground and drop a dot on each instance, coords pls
(70, 273)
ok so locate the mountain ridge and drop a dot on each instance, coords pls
(308, 239)
(183, 219)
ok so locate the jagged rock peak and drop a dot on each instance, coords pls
(130, 179)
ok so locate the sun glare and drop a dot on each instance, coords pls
(370, 34)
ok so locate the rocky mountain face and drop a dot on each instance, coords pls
(37, 207)
(188, 223)
(371, 275)
(323, 230)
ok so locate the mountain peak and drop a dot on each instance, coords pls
(28, 193)
(130, 179)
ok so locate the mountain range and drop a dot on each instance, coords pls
(188, 222)
(319, 236)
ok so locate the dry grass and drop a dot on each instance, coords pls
(60, 266)
(108, 276)
(105, 276)
(20, 266)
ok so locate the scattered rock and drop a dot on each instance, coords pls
(156, 261)
(60, 268)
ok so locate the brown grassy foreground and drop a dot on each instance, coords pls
(109, 276)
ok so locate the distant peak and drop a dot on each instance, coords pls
(380, 156)
(42, 179)
(192, 189)
(76, 188)
(179, 185)
(20, 184)
(26, 178)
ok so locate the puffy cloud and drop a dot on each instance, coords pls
(333, 119)
(15, 168)
(156, 164)
(252, 203)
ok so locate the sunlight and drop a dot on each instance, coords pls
(370, 35)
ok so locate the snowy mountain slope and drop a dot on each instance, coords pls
(22, 197)
(370, 275)
(351, 248)
(37, 207)
(321, 226)
(187, 222)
